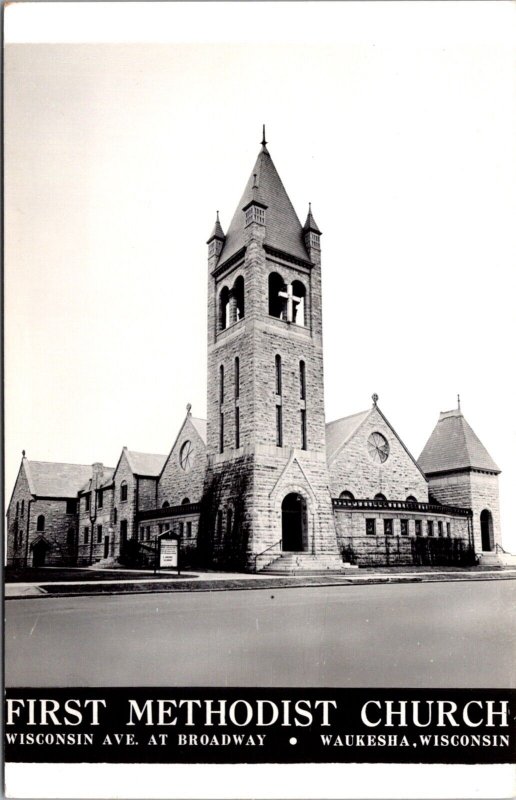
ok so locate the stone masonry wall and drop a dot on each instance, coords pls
(93, 550)
(57, 524)
(17, 522)
(354, 471)
(175, 483)
(475, 490)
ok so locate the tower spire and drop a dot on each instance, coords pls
(264, 141)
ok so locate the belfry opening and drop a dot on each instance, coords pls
(294, 529)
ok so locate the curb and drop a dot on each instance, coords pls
(220, 586)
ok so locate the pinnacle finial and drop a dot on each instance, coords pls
(374, 398)
(458, 402)
(23, 453)
(188, 408)
(264, 141)
(309, 207)
(218, 220)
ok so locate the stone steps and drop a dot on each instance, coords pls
(304, 562)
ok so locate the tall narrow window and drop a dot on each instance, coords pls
(17, 508)
(221, 432)
(219, 524)
(86, 534)
(99, 534)
(22, 508)
(279, 427)
(123, 491)
(237, 377)
(302, 380)
(278, 374)
(237, 427)
(230, 521)
(40, 525)
(100, 501)
(221, 384)
(303, 429)
(87, 502)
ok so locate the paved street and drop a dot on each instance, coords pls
(429, 634)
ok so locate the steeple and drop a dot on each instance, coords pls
(216, 240)
(312, 235)
(264, 188)
(454, 447)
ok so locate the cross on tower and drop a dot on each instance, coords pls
(291, 299)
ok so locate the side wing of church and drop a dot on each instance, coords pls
(264, 482)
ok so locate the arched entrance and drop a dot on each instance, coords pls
(294, 529)
(486, 530)
(39, 552)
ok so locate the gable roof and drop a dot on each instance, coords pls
(107, 480)
(200, 426)
(51, 479)
(454, 445)
(145, 464)
(283, 229)
(340, 431)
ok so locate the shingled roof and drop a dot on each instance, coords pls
(147, 464)
(283, 228)
(454, 446)
(51, 479)
(339, 431)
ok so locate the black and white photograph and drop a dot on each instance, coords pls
(259, 452)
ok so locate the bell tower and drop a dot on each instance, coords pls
(267, 485)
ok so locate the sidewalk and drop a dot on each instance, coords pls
(145, 581)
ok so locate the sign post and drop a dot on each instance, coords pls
(169, 552)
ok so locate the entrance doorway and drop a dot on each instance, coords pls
(486, 530)
(39, 552)
(293, 523)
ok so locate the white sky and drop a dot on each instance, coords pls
(397, 122)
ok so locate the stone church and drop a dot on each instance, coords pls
(264, 482)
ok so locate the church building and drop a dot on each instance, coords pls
(264, 482)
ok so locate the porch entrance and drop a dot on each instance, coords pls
(293, 523)
(486, 530)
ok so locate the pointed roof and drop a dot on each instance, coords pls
(454, 446)
(340, 431)
(53, 479)
(200, 426)
(311, 224)
(145, 464)
(283, 228)
(217, 232)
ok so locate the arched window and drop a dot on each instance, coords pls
(40, 524)
(238, 297)
(346, 495)
(278, 374)
(123, 491)
(276, 303)
(380, 497)
(299, 294)
(224, 308)
(411, 499)
(166, 504)
(185, 501)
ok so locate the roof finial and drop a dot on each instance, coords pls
(374, 398)
(218, 220)
(458, 402)
(264, 141)
(309, 207)
(23, 453)
(188, 408)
